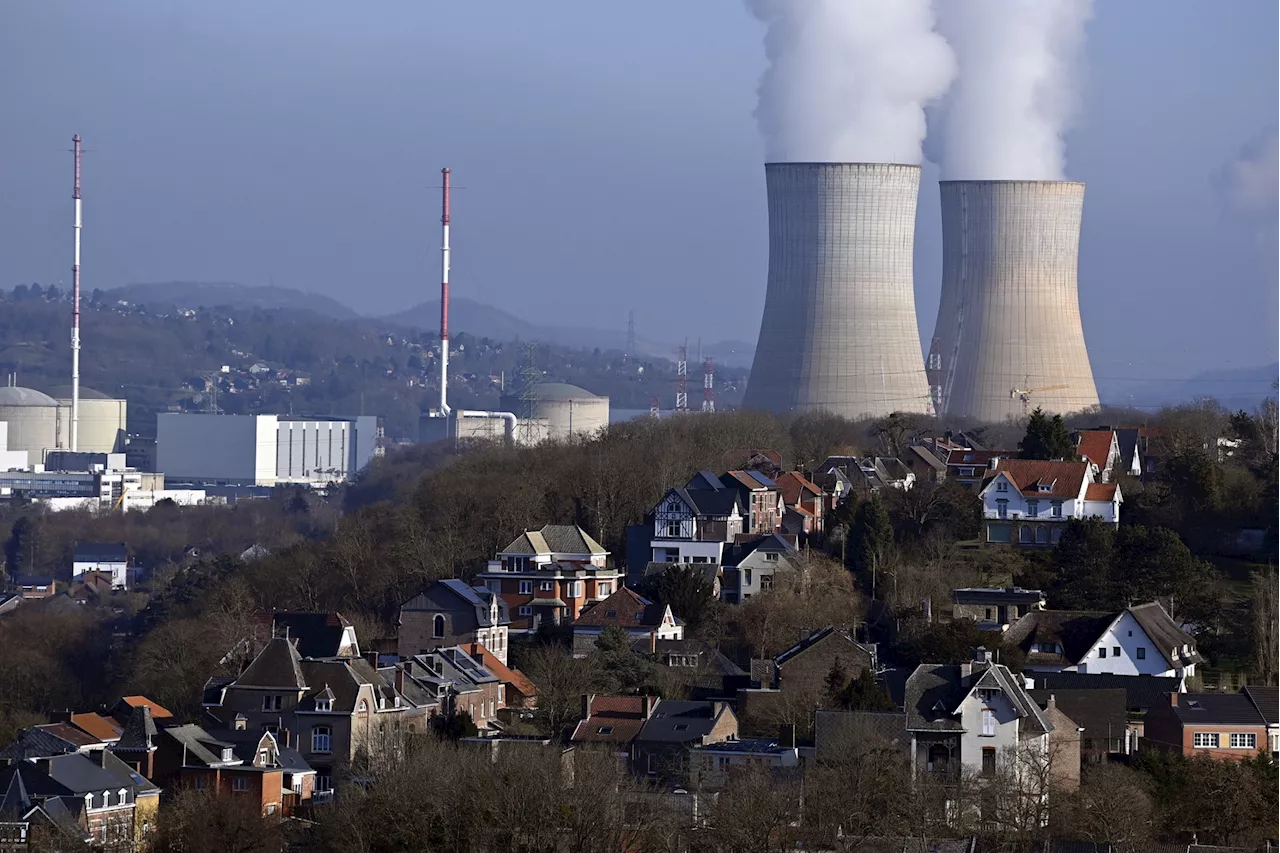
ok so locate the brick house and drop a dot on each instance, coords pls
(35, 587)
(452, 613)
(1028, 502)
(760, 496)
(804, 504)
(550, 575)
(612, 721)
(630, 611)
(517, 690)
(661, 748)
(788, 687)
(1267, 701)
(1225, 726)
(460, 681)
(995, 608)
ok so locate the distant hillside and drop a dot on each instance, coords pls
(1235, 388)
(211, 294)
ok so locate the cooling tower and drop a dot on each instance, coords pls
(839, 329)
(1008, 330)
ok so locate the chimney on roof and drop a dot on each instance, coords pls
(586, 705)
(650, 702)
(787, 736)
(1173, 700)
(994, 463)
(653, 642)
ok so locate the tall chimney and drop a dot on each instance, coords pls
(839, 331)
(444, 293)
(75, 306)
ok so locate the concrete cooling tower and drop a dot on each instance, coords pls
(1009, 336)
(839, 330)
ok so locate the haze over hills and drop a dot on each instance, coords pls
(194, 294)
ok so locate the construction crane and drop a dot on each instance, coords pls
(120, 500)
(1025, 394)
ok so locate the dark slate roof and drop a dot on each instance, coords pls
(708, 655)
(705, 480)
(214, 689)
(139, 732)
(735, 553)
(1141, 691)
(36, 743)
(277, 665)
(1165, 633)
(32, 580)
(998, 595)
(820, 635)
(928, 458)
(101, 552)
(1197, 709)
(477, 597)
(678, 721)
(81, 775)
(711, 504)
(316, 635)
(1075, 630)
(199, 748)
(1128, 441)
(1101, 713)
(23, 780)
(1266, 700)
(935, 692)
(832, 729)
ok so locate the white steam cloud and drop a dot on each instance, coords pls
(1010, 107)
(848, 80)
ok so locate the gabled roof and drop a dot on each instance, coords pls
(1063, 479)
(315, 635)
(555, 539)
(200, 748)
(625, 608)
(751, 480)
(277, 665)
(997, 595)
(158, 711)
(707, 654)
(1075, 630)
(710, 503)
(81, 775)
(922, 452)
(1101, 492)
(501, 671)
(1266, 700)
(1164, 632)
(704, 480)
(36, 742)
(1127, 439)
(611, 719)
(103, 728)
(820, 635)
(1095, 445)
(1141, 691)
(1102, 713)
(775, 543)
(794, 487)
(973, 458)
(1229, 709)
(935, 694)
(681, 721)
(476, 597)
(101, 552)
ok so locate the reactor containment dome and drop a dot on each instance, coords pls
(839, 330)
(1009, 336)
(33, 421)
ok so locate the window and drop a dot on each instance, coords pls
(771, 558)
(1142, 652)
(364, 707)
(575, 589)
(106, 799)
(124, 797)
(325, 704)
(547, 586)
(1115, 651)
(766, 583)
(1205, 740)
(1055, 509)
(673, 529)
(605, 730)
(1026, 535)
(322, 739)
(603, 589)
(1002, 486)
(297, 784)
(323, 782)
(988, 722)
(202, 783)
(271, 703)
(968, 472)
(722, 763)
(988, 761)
(526, 587)
(240, 784)
(1102, 651)
(988, 614)
(526, 610)
(1033, 508)
(1244, 741)
(1042, 536)
(1002, 509)
(746, 577)
(437, 626)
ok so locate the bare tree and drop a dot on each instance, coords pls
(562, 681)
(1265, 607)
(758, 811)
(1112, 807)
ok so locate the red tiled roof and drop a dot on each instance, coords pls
(1065, 478)
(625, 609)
(613, 719)
(514, 677)
(1095, 445)
(103, 728)
(792, 484)
(1100, 492)
(157, 712)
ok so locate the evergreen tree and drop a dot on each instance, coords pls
(837, 682)
(19, 551)
(871, 538)
(1046, 438)
(864, 694)
(686, 590)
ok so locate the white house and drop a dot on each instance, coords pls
(1140, 640)
(1029, 502)
(109, 558)
(693, 525)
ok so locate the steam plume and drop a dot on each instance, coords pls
(1006, 115)
(848, 80)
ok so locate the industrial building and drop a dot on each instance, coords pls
(1009, 336)
(103, 419)
(839, 330)
(264, 450)
(10, 460)
(567, 409)
(32, 417)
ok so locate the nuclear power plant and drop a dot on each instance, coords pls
(839, 332)
(1008, 337)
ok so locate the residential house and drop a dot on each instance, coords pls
(968, 466)
(761, 497)
(99, 726)
(34, 587)
(331, 709)
(315, 635)
(711, 765)
(797, 678)
(1131, 445)
(467, 684)
(925, 464)
(518, 691)
(49, 739)
(995, 609)
(751, 565)
(111, 558)
(630, 611)
(1220, 725)
(90, 798)
(709, 673)
(1267, 701)
(1139, 640)
(453, 613)
(672, 729)
(709, 573)
(804, 504)
(689, 525)
(613, 721)
(1028, 502)
(1101, 449)
(550, 575)
(10, 601)
(764, 460)
(1101, 713)
(1142, 693)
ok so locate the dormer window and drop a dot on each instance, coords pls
(324, 705)
(228, 754)
(1045, 487)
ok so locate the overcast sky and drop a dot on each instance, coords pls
(608, 159)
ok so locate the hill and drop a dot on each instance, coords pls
(213, 294)
(1235, 388)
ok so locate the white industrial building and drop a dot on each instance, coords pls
(10, 460)
(40, 424)
(264, 450)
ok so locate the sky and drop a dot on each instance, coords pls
(606, 156)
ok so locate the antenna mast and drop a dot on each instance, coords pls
(75, 307)
(682, 378)
(444, 293)
(708, 385)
